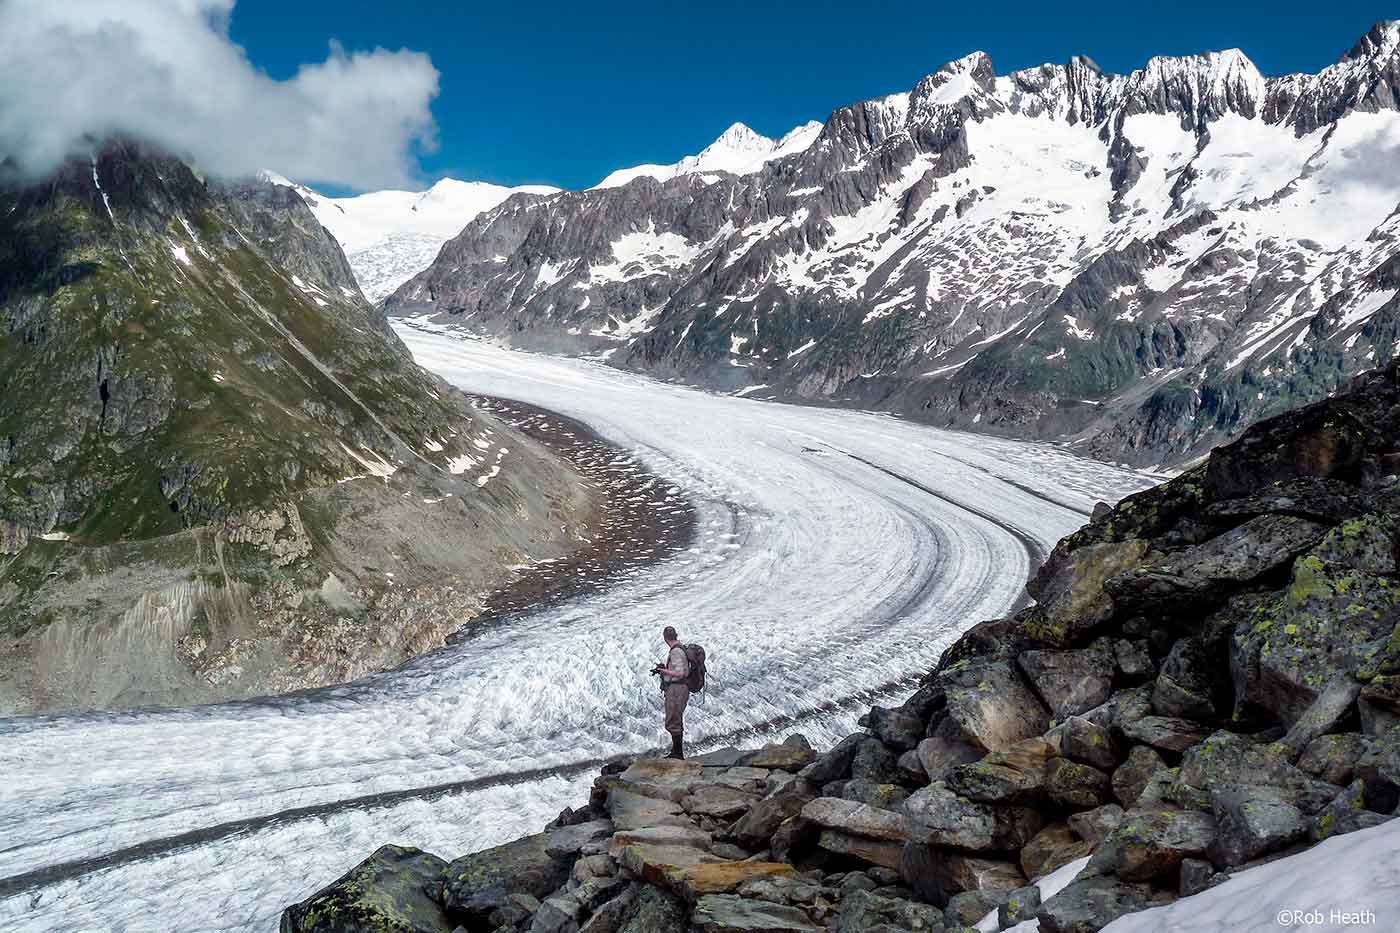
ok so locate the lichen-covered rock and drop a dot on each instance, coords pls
(726, 913)
(1332, 758)
(395, 890)
(898, 729)
(1070, 590)
(884, 796)
(1150, 843)
(1075, 786)
(1318, 629)
(1080, 739)
(1353, 809)
(863, 912)
(1229, 760)
(1187, 683)
(991, 705)
(1165, 733)
(1134, 773)
(477, 884)
(1087, 905)
(1021, 904)
(1014, 775)
(875, 762)
(1094, 825)
(1055, 845)
(1070, 682)
(656, 911)
(937, 816)
(1379, 705)
(965, 909)
(1208, 572)
(1251, 822)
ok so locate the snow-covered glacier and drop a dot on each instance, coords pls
(836, 554)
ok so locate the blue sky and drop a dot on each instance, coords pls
(562, 93)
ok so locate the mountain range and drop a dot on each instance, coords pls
(1140, 265)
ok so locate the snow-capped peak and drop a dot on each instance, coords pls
(390, 236)
(1382, 42)
(738, 150)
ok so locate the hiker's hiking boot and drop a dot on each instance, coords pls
(676, 746)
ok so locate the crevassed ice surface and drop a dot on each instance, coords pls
(836, 554)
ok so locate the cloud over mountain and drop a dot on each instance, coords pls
(167, 71)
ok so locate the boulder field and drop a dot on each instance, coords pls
(1209, 678)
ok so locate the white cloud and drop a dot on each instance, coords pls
(167, 71)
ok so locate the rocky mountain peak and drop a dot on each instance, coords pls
(1381, 42)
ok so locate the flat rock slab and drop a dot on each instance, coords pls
(718, 801)
(691, 836)
(566, 841)
(721, 913)
(855, 819)
(634, 811)
(726, 877)
(886, 854)
(663, 864)
(662, 778)
(785, 757)
(726, 757)
(1165, 732)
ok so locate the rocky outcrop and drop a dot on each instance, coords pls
(1161, 742)
(221, 474)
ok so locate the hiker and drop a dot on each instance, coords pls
(675, 676)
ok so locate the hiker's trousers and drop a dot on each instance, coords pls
(677, 696)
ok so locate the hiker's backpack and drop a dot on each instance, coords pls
(695, 660)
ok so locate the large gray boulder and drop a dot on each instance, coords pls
(1070, 682)
(1133, 775)
(1087, 905)
(1150, 843)
(1251, 822)
(1075, 786)
(1319, 629)
(395, 889)
(477, 884)
(728, 913)
(1226, 759)
(863, 912)
(991, 705)
(857, 819)
(937, 816)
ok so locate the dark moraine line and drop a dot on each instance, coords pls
(154, 848)
(503, 613)
(1034, 550)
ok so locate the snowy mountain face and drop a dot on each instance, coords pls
(389, 236)
(739, 150)
(1143, 263)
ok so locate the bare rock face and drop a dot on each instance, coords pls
(203, 422)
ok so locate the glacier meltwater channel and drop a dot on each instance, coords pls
(836, 554)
